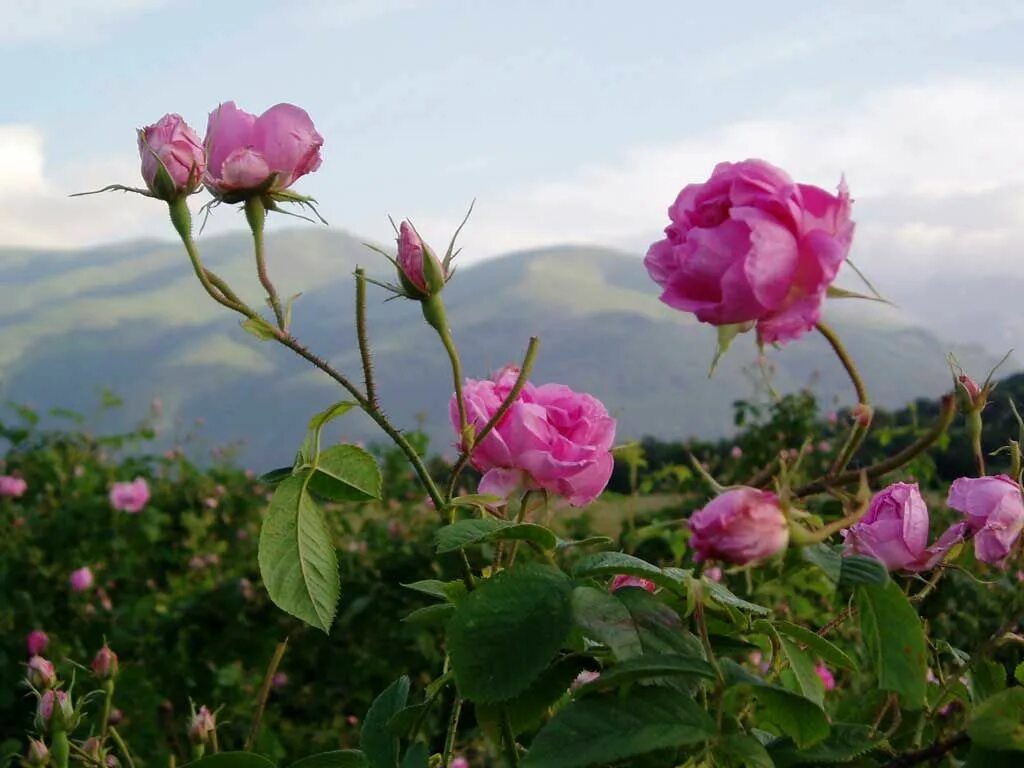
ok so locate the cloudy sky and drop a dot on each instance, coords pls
(567, 120)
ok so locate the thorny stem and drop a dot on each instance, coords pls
(453, 727)
(256, 215)
(938, 749)
(860, 430)
(363, 337)
(261, 705)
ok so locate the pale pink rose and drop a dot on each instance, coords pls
(81, 579)
(130, 497)
(739, 526)
(12, 487)
(460, 762)
(203, 724)
(419, 270)
(36, 642)
(824, 446)
(170, 144)
(715, 574)
(244, 151)
(622, 580)
(751, 246)
(995, 514)
(825, 675)
(895, 530)
(551, 438)
(736, 452)
(41, 673)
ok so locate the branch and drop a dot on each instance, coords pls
(938, 749)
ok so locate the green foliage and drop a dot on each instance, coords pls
(378, 742)
(894, 640)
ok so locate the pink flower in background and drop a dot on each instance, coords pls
(715, 574)
(832, 418)
(995, 514)
(36, 642)
(460, 762)
(12, 487)
(81, 579)
(751, 246)
(895, 530)
(736, 452)
(171, 145)
(824, 446)
(622, 580)
(551, 438)
(739, 526)
(825, 675)
(130, 497)
(584, 677)
(279, 681)
(244, 150)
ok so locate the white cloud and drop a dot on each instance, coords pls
(34, 20)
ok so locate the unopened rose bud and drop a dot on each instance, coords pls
(104, 663)
(173, 158)
(54, 706)
(116, 716)
(93, 748)
(36, 642)
(279, 681)
(826, 676)
(419, 270)
(201, 729)
(862, 413)
(460, 762)
(37, 755)
(41, 674)
(81, 579)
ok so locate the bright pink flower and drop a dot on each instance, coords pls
(12, 487)
(739, 526)
(995, 514)
(751, 246)
(895, 530)
(41, 673)
(245, 150)
(81, 579)
(551, 438)
(825, 675)
(419, 270)
(130, 497)
(36, 642)
(460, 762)
(172, 145)
(622, 580)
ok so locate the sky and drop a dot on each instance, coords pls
(566, 120)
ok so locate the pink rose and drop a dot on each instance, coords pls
(826, 676)
(622, 580)
(736, 452)
(460, 762)
(995, 514)
(895, 530)
(81, 579)
(130, 497)
(36, 642)
(12, 487)
(244, 151)
(104, 663)
(170, 145)
(419, 270)
(41, 673)
(751, 246)
(551, 438)
(739, 526)
(715, 574)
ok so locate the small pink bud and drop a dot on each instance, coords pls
(715, 574)
(81, 579)
(104, 663)
(203, 724)
(736, 452)
(824, 446)
(352, 720)
(279, 681)
(12, 487)
(41, 674)
(623, 581)
(419, 270)
(38, 755)
(862, 414)
(826, 677)
(54, 704)
(970, 386)
(460, 762)
(36, 642)
(173, 158)
(116, 716)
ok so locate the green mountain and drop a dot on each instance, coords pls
(132, 318)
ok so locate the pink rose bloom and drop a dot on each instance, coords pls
(739, 526)
(825, 675)
(995, 514)
(36, 642)
(715, 574)
(12, 487)
(130, 497)
(551, 438)
(244, 151)
(418, 267)
(81, 580)
(895, 530)
(622, 580)
(751, 246)
(172, 145)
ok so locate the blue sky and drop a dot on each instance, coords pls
(567, 120)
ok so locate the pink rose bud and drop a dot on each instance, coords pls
(81, 579)
(736, 452)
(552, 438)
(862, 414)
(130, 497)
(38, 754)
(825, 675)
(751, 246)
(824, 446)
(419, 270)
(54, 704)
(715, 574)
(623, 581)
(173, 158)
(41, 674)
(833, 417)
(460, 762)
(970, 386)
(203, 724)
(12, 487)
(36, 642)
(995, 514)
(255, 155)
(104, 663)
(740, 526)
(352, 720)
(116, 716)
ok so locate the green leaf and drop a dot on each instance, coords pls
(259, 328)
(998, 723)
(846, 742)
(589, 541)
(894, 638)
(416, 756)
(528, 708)
(835, 292)
(988, 677)
(655, 666)
(406, 719)
(726, 335)
(275, 476)
(443, 590)
(310, 450)
(232, 760)
(720, 594)
(825, 649)
(659, 627)
(467, 532)
(615, 563)
(506, 631)
(606, 619)
(346, 473)
(376, 739)
(342, 758)
(828, 559)
(797, 717)
(1018, 673)
(477, 500)
(297, 559)
(861, 569)
(802, 666)
(599, 730)
(744, 750)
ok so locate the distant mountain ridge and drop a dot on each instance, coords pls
(132, 318)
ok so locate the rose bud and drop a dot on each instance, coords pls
(104, 663)
(12, 487)
(116, 716)
(419, 270)
(203, 724)
(895, 531)
(54, 705)
(739, 526)
(824, 674)
(38, 755)
(862, 413)
(750, 246)
(36, 642)
(130, 497)
(81, 579)
(41, 674)
(995, 514)
(173, 158)
(459, 762)
(623, 581)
